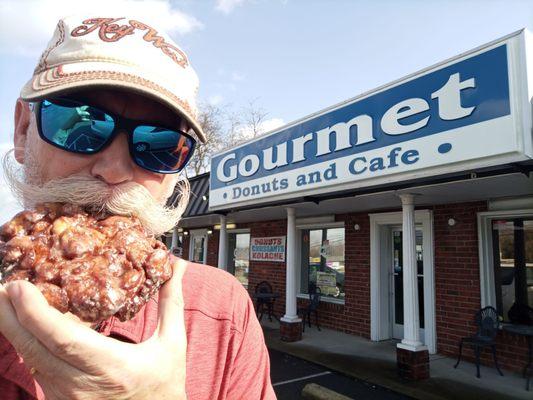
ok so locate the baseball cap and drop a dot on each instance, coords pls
(116, 52)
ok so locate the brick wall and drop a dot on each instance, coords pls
(457, 280)
(212, 248)
(357, 274)
(354, 316)
(457, 283)
(273, 272)
(186, 243)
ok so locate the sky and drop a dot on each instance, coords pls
(291, 57)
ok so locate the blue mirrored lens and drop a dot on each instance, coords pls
(160, 149)
(75, 127)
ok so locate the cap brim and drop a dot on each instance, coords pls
(54, 81)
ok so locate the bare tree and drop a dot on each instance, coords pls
(210, 118)
(225, 128)
(233, 125)
(254, 117)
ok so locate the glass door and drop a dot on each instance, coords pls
(239, 256)
(397, 282)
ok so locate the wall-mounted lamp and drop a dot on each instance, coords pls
(356, 227)
(204, 198)
(451, 222)
(185, 233)
(209, 231)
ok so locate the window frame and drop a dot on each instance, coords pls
(486, 251)
(317, 225)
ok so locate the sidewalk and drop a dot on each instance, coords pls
(375, 362)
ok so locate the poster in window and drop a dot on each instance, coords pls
(267, 249)
(326, 281)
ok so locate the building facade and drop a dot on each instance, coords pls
(410, 207)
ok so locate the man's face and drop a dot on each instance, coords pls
(113, 165)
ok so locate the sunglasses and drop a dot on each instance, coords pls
(81, 128)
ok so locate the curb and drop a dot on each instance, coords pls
(312, 391)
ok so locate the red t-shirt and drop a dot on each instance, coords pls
(226, 353)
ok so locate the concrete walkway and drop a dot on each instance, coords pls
(375, 362)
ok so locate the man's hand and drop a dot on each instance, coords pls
(71, 361)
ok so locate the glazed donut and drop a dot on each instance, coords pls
(92, 265)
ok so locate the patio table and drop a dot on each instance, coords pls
(527, 331)
(259, 297)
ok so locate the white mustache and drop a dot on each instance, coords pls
(128, 199)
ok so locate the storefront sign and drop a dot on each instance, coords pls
(267, 248)
(470, 112)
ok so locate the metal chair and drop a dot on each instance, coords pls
(261, 304)
(488, 324)
(314, 301)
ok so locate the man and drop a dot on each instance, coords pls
(107, 121)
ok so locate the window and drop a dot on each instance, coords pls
(323, 261)
(512, 245)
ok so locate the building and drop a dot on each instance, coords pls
(410, 207)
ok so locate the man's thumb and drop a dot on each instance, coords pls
(171, 304)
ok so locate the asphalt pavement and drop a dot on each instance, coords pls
(290, 374)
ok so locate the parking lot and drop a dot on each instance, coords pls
(290, 375)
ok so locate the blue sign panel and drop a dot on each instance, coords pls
(465, 93)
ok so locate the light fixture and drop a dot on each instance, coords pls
(185, 233)
(209, 231)
(228, 226)
(452, 222)
(204, 197)
(356, 227)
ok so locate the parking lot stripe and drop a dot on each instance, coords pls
(302, 378)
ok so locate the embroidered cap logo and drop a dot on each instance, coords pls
(109, 31)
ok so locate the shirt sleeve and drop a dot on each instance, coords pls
(250, 378)
(16, 383)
